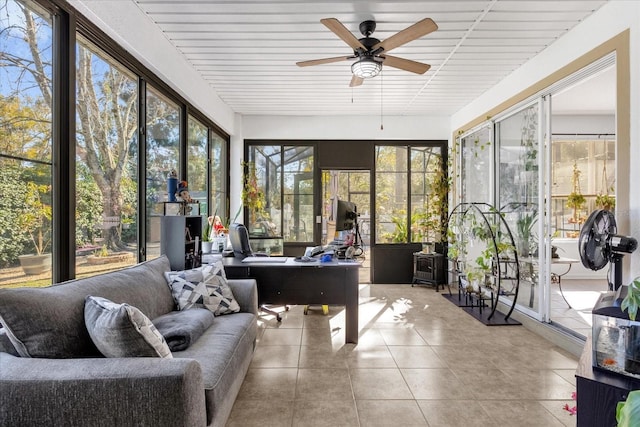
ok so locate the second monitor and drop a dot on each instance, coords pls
(346, 215)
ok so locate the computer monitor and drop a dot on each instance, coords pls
(239, 238)
(346, 215)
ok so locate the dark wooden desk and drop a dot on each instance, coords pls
(302, 283)
(599, 392)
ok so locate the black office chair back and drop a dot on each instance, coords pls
(239, 238)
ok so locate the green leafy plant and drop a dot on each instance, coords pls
(628, 412)
(631, 302)
(576, 200)
(400, 233)
(35, 217)
(606, 201)
(524, 230)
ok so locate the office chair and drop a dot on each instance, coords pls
(241, 246)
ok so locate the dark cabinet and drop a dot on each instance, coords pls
(598, 392)
(430, 269)
(181, 241)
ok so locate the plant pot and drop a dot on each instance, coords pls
(206, 247)
(35, 264)
(632, 350)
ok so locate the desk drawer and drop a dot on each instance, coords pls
(324, 286)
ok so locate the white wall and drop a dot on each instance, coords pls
(134, 31)
(612, 19)
(346, 127)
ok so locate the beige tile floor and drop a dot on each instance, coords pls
(582, 295)
(420, 361)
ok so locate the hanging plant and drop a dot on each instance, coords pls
(605, 201)
(576, 200)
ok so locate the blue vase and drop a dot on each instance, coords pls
(172, 187)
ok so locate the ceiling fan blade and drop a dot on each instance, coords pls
(323, 61)
(355, 81)
(341, 31)
(417, 30)
(405, 64)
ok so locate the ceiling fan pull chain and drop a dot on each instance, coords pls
(381, 111)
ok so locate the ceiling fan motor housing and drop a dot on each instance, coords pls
(367, 27)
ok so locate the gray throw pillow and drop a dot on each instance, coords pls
(204, 287)
(120, 330)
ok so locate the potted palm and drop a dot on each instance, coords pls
(35, 219)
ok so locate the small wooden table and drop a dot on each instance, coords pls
(557, 277)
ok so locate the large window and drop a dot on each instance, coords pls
(106, 162)
(279, 191)
(429, 194)
(26, 89)
(117, 158)
(163, 154)
(391, 166)
(197, 162)
(262, 196)
(477, 166)
(518, 164)
(410, 178)
(586, 166)
(218, 176)
(298, 193)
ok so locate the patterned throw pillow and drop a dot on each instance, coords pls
(203, 287)
(120, 330)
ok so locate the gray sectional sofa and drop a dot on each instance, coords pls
(64, 380)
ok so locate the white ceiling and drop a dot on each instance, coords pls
(247, 50)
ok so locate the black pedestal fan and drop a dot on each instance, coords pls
(599, 244)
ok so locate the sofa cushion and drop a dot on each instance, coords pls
(204, 286)
(224, 353)
(181, 328)
(121, 330)
(49, 322)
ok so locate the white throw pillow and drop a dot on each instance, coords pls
(205, 286)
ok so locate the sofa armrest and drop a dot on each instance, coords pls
(101, 392)
(245, 291)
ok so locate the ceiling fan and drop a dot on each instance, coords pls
(371, 53)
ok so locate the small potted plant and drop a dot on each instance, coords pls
(207, 244)
(630, 303)
(35, 218)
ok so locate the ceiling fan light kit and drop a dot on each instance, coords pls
(370, 53)
(366, 68)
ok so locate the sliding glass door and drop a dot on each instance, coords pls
(520, 156)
